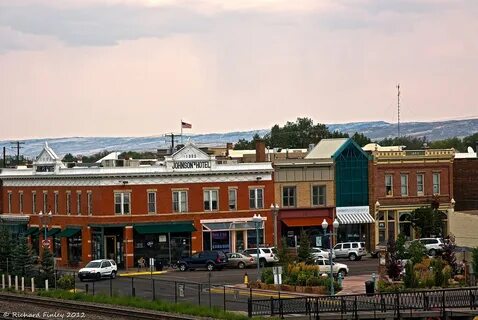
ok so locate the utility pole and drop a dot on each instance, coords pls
(172, 135)
(18, 143)
(398, 107)
(4, 157)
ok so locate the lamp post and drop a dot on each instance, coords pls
(45, 219)
(275, 211)
(257, 219)
(335, 225)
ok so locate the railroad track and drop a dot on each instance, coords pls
(77, 307)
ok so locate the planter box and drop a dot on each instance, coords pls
(288, 287)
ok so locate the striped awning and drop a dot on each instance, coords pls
(354, 215)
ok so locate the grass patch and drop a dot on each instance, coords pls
(141, 303)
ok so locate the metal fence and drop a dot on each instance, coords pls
(397, 303)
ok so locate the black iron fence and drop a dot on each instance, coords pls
(397, 303)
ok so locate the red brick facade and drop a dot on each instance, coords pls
(465, 184)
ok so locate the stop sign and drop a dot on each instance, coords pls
(46, 243)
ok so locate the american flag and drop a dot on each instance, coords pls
(186, 125)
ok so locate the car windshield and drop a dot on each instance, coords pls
(266, 250)
(93, 264)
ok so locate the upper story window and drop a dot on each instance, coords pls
(34, 202)
(420, 184)
(20, 202)
(122, 202)
(232, 199)
(256, 198)
(436, 183)
(210, 200)
(404, 184)
(151, 202)
(68, 203)
(180, 201)
(9, 202)
(388, 185)
(45, 202)
(318, 195)
(78, 203)
(288, 196)
(89, 199)
(55, 202)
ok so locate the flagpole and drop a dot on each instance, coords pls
(181, 131)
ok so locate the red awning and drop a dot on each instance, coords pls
(305, 222)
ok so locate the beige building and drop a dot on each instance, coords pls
(464, 225)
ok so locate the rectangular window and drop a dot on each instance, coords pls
(180, 201)
(404, 184)
(9, 202)
(210, 200)
(232, 199)
(78, 203)
(68, 203)
(436, 183)
(288, 196)
(34, 202)
(151, 202)
(420, 180)
(256, 199)
(318, 195)
(20, 202)
(388, 185)
(122, 202)
(45, 202)
(89, 198)
(56, 202)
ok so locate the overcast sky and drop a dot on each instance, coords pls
(133, 68)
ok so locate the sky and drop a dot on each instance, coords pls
(137, 67)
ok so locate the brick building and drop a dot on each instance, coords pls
(189, 202)
(403, 180)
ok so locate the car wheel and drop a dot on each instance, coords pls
(262, 262)
(210, 266)
(182, 267)
(113, 274)
(432, 252)
(241, 265)
(352, 257)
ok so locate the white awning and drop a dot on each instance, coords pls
(354, 215)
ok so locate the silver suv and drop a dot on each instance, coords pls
(433, 245)
(351, 250)
(266, 255)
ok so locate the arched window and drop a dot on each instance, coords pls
(405, 225)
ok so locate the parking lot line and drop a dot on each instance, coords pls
(254, 293)
(141, 273)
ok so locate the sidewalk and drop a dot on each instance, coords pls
(354, 284)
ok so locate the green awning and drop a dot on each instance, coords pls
(164, 228)
(68, 232)
(52, 232)
(33, 231)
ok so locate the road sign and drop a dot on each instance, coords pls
(46, 243)
(181, 289)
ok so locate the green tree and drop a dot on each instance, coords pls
(303, 253)
(47, 270)
(401, 250)
(454, 142)
(283, 254)
(416, 251)
(411, 143)
(393, 264)
(23, 260)
(95, 157)
(428, 221)
(448, 254)
(68, 158)
(410, 280)
(470, 141)
(7, 246)
(361, 139)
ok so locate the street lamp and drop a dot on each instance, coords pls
(335, 225)
(257, 219)
(275, 211)
(45, 220)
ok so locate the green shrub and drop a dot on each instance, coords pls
(437, 265)
(314, 282)
(410, 280)
(384, 286)
(66, 282)
(416, 251)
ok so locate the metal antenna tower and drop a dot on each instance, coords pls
(398, 107)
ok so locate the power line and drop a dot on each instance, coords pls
(18, 143)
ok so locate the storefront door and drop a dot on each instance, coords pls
(110, 247)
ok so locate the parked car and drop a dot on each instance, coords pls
(380, 247)
(351, 250)
(434, 246)
(240, 260)
(210, 260)
(267, 255)
(318, 253)
(337, 268)
(98, 269)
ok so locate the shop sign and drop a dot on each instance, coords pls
(381, 225)
(191, 165)
(162, 238)
(149, 243)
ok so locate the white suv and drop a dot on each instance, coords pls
(98, 269)
(351, 250)
(433, 245)
(266, 255)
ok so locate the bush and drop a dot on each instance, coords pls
(384, 286)
(416, 251)
(313, 282)
(410, 280)
(439, 277)
(474, 259)
(66, 282)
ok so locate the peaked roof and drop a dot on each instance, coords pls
(326, 148)
(49, 152)
(190, 149)
(110, 156)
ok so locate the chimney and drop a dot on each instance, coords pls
(229, 146)
(260, 150)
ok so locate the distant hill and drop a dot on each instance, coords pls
(376, 130)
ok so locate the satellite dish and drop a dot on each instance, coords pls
(470, 150)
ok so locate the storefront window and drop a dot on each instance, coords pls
(391, 224)
(56, 246)
(220, 241)
(405, 225)
(161, 246)
(381, 227)
(74, 249)
(252, 238)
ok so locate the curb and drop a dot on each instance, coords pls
(142, 273)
